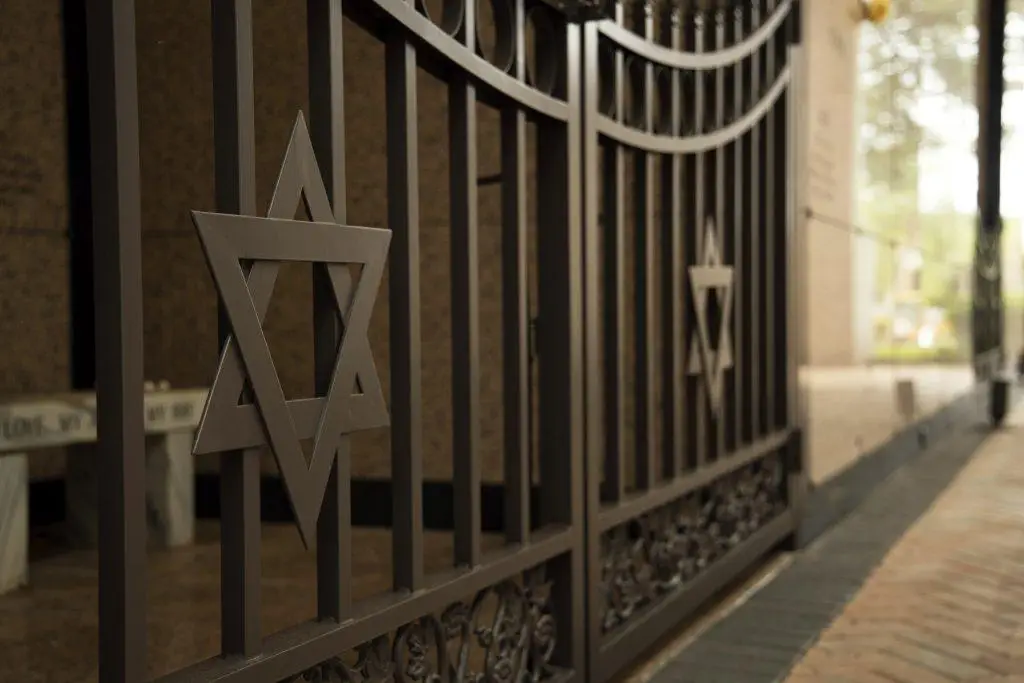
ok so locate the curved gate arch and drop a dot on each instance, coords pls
(691, 420)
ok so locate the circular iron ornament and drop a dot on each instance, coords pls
(452, 14)
(543, 58)
(501, 51)
(606, 78)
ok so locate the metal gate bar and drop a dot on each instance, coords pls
(113, 112)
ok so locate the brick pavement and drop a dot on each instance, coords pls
(922, 583)
(947, 602)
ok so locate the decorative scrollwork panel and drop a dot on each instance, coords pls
(504, 634)
(648, 558)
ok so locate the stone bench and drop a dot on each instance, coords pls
(29, 424)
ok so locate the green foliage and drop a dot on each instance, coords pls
(927, 49)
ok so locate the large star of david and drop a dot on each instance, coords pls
(710, 274)
(229, 422)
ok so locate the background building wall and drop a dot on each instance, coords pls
(830, 34)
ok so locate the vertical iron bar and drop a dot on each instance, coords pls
(746, 254)
(737, 261)
(794, 250)
(614, 215)
(771, 227)
(515, 308)
(404, 288)
(327, 133)
(600, 287)
(700, 221)
(672, 266)
(756, 223)
(234, 161)
(114, 119)
(465, 292)
(571, 609)
(720, 235)
(554, 339)
(645, 274)
(689, 191)
(559, 343)
(781, 330)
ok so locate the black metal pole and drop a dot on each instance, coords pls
(987, 302)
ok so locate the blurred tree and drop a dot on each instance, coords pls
(926, 51)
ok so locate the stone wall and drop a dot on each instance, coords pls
(175, 101)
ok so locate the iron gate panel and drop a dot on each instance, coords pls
(691, 376)
(430, 625)
(667, 414)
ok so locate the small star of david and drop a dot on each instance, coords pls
(710, 274)
(231, 423)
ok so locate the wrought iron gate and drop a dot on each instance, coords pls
(664, 471)
(691, 378)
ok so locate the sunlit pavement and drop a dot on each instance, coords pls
(923, 583)
(947, 602)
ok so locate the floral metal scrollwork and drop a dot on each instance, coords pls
(652, 556)
(505, 634)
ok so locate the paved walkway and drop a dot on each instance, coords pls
(922, 584)
(947, 602)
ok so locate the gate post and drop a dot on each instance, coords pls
(796, 327)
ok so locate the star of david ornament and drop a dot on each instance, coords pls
(229, 242)
(708, 275)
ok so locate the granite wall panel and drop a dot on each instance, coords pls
(33, 206)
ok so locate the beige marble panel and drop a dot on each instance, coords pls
(853, 410)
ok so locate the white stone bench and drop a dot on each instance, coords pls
(68, 420)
